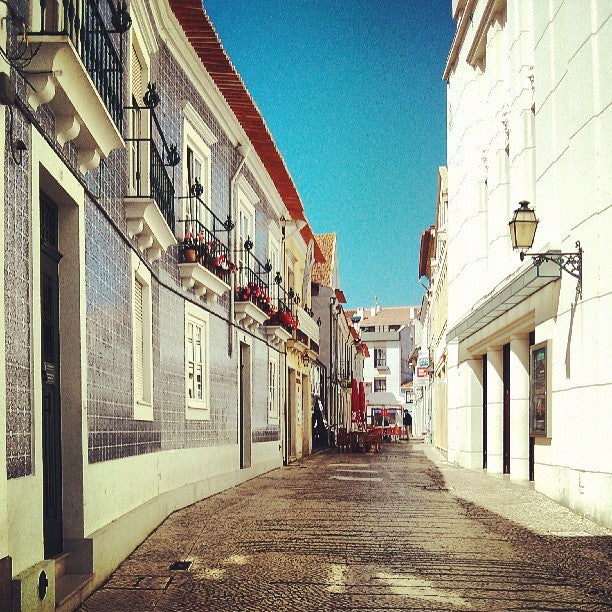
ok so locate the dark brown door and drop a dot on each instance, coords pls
(506, 432)
(484, 412)
(51, 421)
(245, 406)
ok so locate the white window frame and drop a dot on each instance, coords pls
(198, 137)
(198, 409)
(274, 255)
(247, 199)
(274, 387)
(143, 406)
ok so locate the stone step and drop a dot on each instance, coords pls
(71, 590)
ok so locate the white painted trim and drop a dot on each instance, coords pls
(196, 410)
(142, 22)
(192, 116)
(193, 139)
(143, 410)
(245, 187)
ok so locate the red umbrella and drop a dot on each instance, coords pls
(362, 403)
(354, 401)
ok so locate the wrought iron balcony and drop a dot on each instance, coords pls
(151, 187)
(253, 289)
(76, 70)
(205, 266)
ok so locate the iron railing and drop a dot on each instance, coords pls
(255, 276)
(149, 156)
(213, 253)
(83, 23)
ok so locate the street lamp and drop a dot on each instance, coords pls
(523, 227)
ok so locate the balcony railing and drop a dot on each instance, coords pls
(253, 279)
(150, 156)
(207, 227)
(82, 22)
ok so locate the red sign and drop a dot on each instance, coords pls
(421, 372)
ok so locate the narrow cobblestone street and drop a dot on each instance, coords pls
(391, 531)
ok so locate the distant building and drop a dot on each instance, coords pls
(389, 335)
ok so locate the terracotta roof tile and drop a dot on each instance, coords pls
(322, 271)
(389, 316)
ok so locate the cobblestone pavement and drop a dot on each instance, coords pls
(399, 530)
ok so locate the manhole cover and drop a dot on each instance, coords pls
(181, 565)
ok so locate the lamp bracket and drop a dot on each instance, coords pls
(569, 262)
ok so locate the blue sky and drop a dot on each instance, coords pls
(354, 98)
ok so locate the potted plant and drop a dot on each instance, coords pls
(190, 247)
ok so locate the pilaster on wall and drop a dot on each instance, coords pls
(3, 479)
(519, 408)
(472, 443)
(495, 410)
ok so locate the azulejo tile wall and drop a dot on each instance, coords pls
(17, 305)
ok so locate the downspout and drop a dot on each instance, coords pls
(244, 152)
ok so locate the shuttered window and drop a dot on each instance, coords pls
(197, 386)
(142, 338)
(137, 85)
(138, 342)
(273, 388)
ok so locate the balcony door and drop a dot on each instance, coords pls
(51, 396)
(245, 406)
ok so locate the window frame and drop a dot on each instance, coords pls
(380, 380)
(143, 406)
(246, 201)
(198, 138)
(198, 409)
(274, 388)
(378, 362)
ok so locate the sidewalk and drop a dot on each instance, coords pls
(517, 502)
(399, 530)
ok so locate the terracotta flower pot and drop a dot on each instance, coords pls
(190, 255)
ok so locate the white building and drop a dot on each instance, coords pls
(389, 335)
(529, 95)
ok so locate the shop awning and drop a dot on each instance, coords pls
(512, 292)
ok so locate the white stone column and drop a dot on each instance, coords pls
(519, 407)
(472, 447)
(454, 401)
(495, 410)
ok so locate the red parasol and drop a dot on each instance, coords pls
(354, 402)
(362, 403)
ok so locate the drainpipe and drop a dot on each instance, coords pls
(244, 152)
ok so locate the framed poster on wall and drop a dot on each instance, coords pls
(540, 375)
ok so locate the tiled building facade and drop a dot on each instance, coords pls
(163, 383)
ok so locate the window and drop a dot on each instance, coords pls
(274, 257)
(197, 388)
(380, 358)
(142, 333)
(380, 384)
(273, 388)
(369, 328)
(197, 140)
(245, 226)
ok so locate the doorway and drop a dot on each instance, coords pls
(484, 412)
(531, 438)
(51, 396)
(244, 424)
(291, 415)
(506, 409)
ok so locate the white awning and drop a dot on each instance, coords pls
(502, 299)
